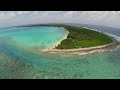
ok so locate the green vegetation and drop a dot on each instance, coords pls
(80, 37)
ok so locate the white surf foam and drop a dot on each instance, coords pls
(116, 37)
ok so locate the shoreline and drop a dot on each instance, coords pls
(57, 43)
(89, 49)
(82, 51)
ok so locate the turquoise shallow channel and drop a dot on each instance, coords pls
(20, 57)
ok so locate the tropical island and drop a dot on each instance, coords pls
(80, 39)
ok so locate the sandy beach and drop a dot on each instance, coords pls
(81, 51)
(55, 45)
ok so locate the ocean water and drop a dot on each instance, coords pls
(20, 57)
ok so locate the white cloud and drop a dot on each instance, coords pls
(4, 16)
(108, 18)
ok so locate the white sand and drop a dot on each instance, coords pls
(55, 45)
(80, 49)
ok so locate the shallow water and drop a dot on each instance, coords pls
(20, 58)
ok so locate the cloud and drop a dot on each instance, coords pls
(107, 18)
(4, 16)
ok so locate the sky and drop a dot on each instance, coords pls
(105, 18)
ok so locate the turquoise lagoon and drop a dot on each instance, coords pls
(21, 58)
